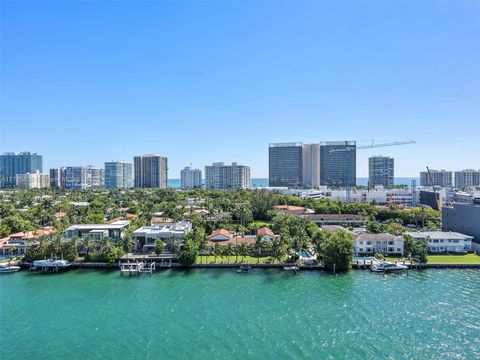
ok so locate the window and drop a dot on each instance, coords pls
(390, 243)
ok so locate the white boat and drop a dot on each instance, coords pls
(386, 266)
(291, 268)
(51, 264)
(7, 269)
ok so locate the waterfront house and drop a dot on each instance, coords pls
(386, 244)
(266, 234)
(114, 230)
(222, 237)
(444, 242)
(19, 243)
(146, 236)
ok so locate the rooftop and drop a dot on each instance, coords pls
(438, 235)
(374, 237)
(156, 230)
(223, 232)
(120, 224)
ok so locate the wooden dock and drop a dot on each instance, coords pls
(136, 268)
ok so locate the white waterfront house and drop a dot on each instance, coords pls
(386, 244)
(146, 236)
(115, 230)
(444, 241)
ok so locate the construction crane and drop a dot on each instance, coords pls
(373, 145)
(348, 187)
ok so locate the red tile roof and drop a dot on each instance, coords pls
(221, 232)
(251, 240)
(265, 231)
(289, 207)
(29, 234)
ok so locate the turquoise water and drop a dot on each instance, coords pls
(218, 314)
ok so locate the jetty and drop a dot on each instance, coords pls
(136, 268)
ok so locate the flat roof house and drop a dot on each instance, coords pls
(444, 241)
(115, 230)
(146, 236)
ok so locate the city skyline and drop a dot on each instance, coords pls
(165, 74)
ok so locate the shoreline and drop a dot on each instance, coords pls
(176, 266)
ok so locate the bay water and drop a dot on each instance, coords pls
(219, 314)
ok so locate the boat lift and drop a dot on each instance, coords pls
(136, 268)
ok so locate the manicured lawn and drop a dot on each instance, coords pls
(465, 259)
(231, 260)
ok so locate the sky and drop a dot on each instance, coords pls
(205, 81)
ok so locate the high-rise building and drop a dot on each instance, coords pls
(311, 166)
(467, 178)
(440, 178)
(463, 218)
(381, 171)
(84, 177)
(190, 178)
(338, 163)
(150, 171)
(36, 180)
(57, 178)
(12, 164)
(285, 165)
(221, 176)
(118, 175)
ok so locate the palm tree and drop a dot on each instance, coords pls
(42, 245)
(126, 243)
(159, 245)
(221, 253)
(243, 250)
(216, 251)
(229, 251)
(87, 245)
(174, 243)
(73, 246)
(56, 243)
(106, 244)
(278, 250)
(260, 244)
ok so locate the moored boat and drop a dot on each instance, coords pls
(50, 264)
(7, 269)
(386, 266)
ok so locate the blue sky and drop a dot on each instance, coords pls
(88, 82)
